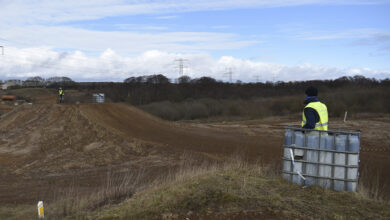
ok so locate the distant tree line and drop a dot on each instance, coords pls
(153, 88)
(205, 97)
(147, 89)
(37, 81)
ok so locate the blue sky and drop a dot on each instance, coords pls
(289, 40)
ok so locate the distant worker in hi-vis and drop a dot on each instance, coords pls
(315, 113)
(60, 95)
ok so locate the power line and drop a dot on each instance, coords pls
(15, 42)
(229, 74)
(181, 66)
(257, 77)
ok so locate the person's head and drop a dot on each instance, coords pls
(311, 91)
(60, 88)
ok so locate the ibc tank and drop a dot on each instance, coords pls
(287, 142)
(354, 143)
(329, 160)
(341, 142)
(288, 137)
(326, 158)
(296, 178)
(340, 158)
(353, 160)
(328, 142)
(299, 138)
(312, 139)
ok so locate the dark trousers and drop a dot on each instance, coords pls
(60, 98)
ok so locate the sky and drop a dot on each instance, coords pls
(258, 40)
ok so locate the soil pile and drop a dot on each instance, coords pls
(51, 145)
(46, 147)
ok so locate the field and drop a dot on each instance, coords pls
(113, 152)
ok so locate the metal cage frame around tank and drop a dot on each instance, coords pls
(349, 166)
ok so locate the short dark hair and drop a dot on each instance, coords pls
(311, 91)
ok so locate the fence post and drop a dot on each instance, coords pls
(41, 213)
(345, 116)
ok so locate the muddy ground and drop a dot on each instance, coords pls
(49, 149)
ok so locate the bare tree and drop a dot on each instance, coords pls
(184, 79)
(59, 80)
(34, 81)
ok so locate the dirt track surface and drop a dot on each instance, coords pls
(49, 148)
(128, 121)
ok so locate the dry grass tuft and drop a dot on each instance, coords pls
(370, 185)
(233, 189)
(116, 189)
(225, 189)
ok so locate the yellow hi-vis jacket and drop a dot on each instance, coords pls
(60, 92)
(322, 112)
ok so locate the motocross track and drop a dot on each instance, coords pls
(48, 148)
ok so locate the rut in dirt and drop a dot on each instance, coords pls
(51, 146)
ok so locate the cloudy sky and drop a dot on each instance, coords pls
(110, 40)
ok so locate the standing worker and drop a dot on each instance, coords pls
(315, 113)
(60, 95)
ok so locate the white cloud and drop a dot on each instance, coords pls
(54, 11)
(133, 27)
(109, 66)
(302, 32)
(357, 37)
(37, 26)
(122, 42)
(362, 33)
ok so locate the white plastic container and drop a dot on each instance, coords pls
(328, 159)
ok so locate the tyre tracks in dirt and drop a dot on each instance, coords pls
(46, 147)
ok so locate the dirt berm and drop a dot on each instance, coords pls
(47, 147)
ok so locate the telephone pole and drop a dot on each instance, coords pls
(230, 74)
(2, 50)
(181, 66)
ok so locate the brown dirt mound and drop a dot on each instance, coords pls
(128, 121)
(51, 145)
(46, 147)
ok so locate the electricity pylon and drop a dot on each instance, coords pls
(229, 74)
(181, 66)
(257, 77)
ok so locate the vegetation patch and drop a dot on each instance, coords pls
(231, 190)
(242, 191)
